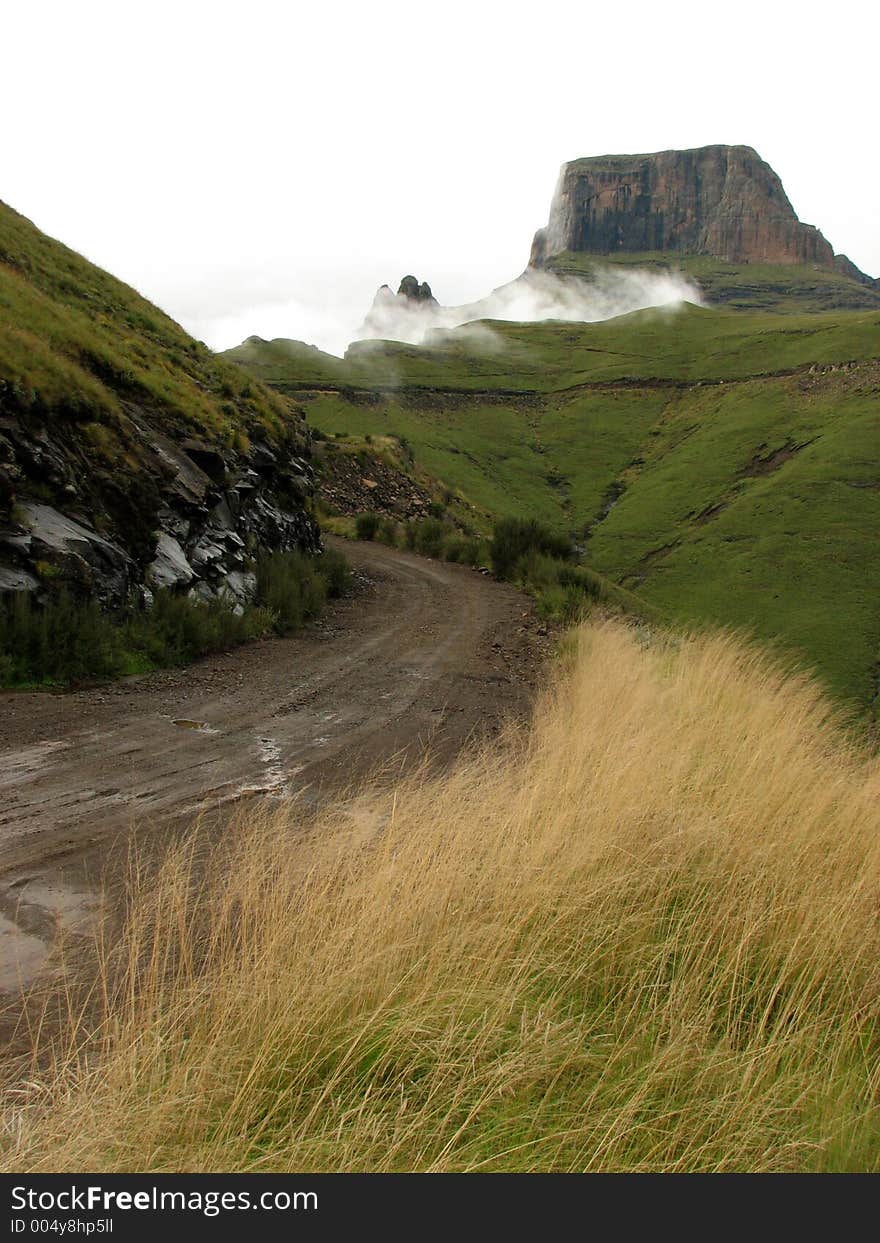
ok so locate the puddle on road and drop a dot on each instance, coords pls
(73, 909)
(37, 909)
(21, 956)
(277, 778)
(270, 753)
(201, 726)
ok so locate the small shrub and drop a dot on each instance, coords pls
(463, 550)
(514, 538)
(366, 526)
(564, 592)
(60, 641)
(178, 629)
(586, 582)
(290, 586)
(536, 570)
(260, 620)
(566, 604)
(388, 533)
(427, 536)
(335, 571)
(64, 641)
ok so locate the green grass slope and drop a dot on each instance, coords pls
(759, 506)
(76, 345)
(680, 345)
(279, 360)
(722, 463)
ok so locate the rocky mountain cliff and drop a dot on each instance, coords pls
(131, 457)
(721, 201)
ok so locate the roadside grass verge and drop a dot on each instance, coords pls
(62, 641)
(640, 936)
(430, 536)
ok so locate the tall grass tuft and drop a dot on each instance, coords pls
(292, 588)
(642, 935)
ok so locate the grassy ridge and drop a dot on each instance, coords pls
(722, 464)
(74, 341)
(743, 286)
(99, 375)
(680, 346)
(644, 937)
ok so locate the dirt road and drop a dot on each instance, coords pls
(422, 654)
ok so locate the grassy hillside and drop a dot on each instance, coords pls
(722, 463)
(75, 342)
(92, 377)
(642, 938)
(678, 346)
(760, 506)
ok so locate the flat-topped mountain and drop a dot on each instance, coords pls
(720, 201)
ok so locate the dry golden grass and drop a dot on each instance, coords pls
(644, 936)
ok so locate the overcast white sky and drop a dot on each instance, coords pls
(264, 166)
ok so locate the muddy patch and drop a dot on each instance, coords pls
(22, 957)
(38, 912)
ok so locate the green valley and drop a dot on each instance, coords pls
(723, 463)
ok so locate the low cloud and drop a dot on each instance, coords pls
(534, 297)
(246, 304)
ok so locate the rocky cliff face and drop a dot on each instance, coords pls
(193, 519)
(720, 201)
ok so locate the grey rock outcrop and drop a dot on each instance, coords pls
(132, 458)
(47, 545)
(200, 518)
(410, 288)
(170, 567)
